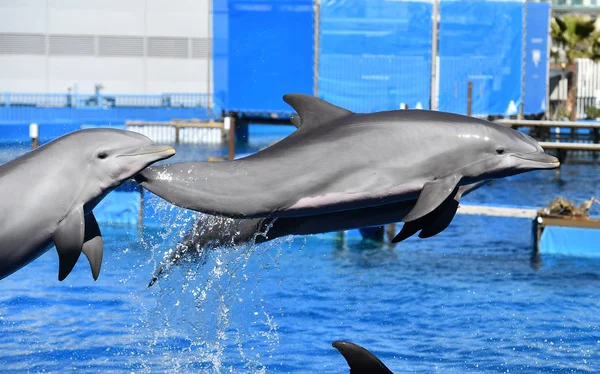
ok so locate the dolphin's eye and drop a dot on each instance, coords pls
(500, 151)
(102, 155)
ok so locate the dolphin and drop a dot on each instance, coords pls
(48, 195)
(360, 360)
(339, 160)
(209, 232)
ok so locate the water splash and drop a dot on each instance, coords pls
(207, 313)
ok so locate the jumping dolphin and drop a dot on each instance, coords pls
(338, 160)
(360, 360)
(210, 232)
(48, 195)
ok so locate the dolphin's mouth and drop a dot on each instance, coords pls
(538, 160)
(163, 151)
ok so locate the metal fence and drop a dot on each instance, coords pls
(102, 100)
(67, 108)
(588, 85)
(378, 55)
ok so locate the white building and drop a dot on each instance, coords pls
(127, 46)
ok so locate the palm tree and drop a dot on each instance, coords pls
(578, 38)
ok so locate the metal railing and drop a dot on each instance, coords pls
(105, 100)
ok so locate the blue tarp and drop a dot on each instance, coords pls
(481, 42)
(570, 241)
(536, 57)
(263, 50)
(375, 54)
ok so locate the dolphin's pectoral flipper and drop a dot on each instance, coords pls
(408, 230)
(433, 222)
(92, 244)
(443, 219)
(313, 111)
(360, 360)
(432, 195)
(450, 206)
(68, 239)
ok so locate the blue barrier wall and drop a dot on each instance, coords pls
(482, 42)
(375, 54)
(536, 57)
(263, 50)
(53, 108)
(570, 241)
(107, 115)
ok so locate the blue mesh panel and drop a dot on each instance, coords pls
(375, 54)
(480, 42)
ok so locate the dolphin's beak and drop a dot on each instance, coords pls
(154, 152)
(537, 160)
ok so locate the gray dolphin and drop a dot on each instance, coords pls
(360, 360)
(338, 160)
(213, 232)
(48, 195)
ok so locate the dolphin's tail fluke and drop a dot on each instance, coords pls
(210, 232)
(359, 359)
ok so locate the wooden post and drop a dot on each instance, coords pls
(229, 123)
(177, 128)
(34, 134)
(537, 226)
(469, 98)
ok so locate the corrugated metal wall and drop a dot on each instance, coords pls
(128, 46)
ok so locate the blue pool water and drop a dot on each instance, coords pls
(471, 299)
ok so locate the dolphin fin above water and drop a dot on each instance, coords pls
(92, 246)
(434, 193)
(313, 111)
(439, 219)
(360, 360)
(443, 219)
(432, 223)
(296, 120)
(68, 239)
(75, 234)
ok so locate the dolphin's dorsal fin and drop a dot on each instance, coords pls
(360, 360)
(68, 239)
(92, 245)
(296, 121)
(314, 111)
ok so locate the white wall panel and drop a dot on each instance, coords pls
(117, 75)
(106, 17)
(177, 18)
(176, 75)
(49, 45)
(23, 16)
(23, 73)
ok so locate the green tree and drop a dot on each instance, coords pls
(578, 38)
